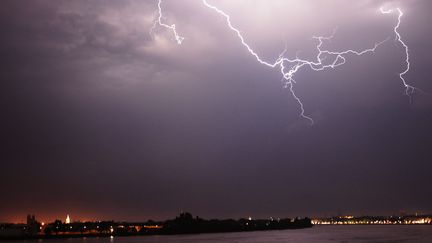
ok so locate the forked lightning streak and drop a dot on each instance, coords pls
(290, 66)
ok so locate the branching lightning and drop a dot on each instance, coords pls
(409, 90)
(296, 64)
(172, 27)
(290, 66)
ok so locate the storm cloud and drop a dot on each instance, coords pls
(103, 120)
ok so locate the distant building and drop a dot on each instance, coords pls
(33, 226)
(68, 221)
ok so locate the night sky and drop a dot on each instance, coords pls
(102, 120)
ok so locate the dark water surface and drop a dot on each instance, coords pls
(355, 233)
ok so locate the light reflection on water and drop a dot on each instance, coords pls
(353, 233)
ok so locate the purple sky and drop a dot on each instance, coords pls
(102, 120)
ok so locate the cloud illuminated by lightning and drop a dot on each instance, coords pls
(289, 67)
(409, 90)
(297, 63)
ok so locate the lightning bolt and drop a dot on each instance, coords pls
(288, 67)
(409, 90)
(179, 39)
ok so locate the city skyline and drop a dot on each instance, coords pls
(400, 218)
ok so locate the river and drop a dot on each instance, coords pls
(350, 233)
